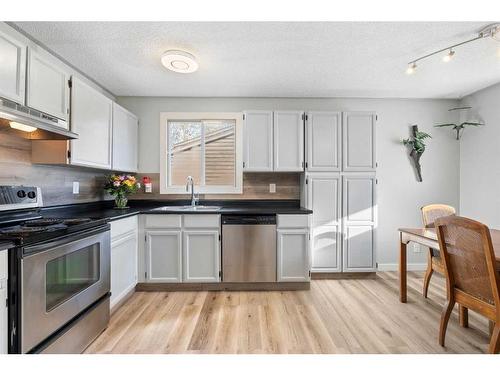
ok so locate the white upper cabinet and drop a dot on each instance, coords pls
(47, 84)
(91, 119)
(12, 67)
(323, 141)
(358, 141)
(125, 140)
(258, 141)
(359, 215)
(288, 141)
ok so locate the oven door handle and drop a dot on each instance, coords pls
(72, 237)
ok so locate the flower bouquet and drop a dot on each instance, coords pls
(121, 186)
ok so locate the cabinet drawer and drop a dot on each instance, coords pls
(123, 226)
(162, 221)
(293, 221)
(201, 221)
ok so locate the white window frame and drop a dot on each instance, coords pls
(165, 117)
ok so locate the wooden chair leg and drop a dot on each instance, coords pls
(427, 277)
(445, 317)
(491, 325)
(463, 316)
(495, 340)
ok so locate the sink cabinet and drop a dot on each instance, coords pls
(201, 255)
(164, 256)
(182, 248)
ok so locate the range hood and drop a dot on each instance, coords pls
(47, 127)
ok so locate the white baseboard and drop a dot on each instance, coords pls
(395, 266)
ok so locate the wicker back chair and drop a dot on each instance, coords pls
(470, 267)
(430, 214)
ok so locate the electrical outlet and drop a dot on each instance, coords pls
(76, 187)
(272, 188)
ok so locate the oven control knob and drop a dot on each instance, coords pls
(31, 195)
(21, 193)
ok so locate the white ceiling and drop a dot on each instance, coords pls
(276, 59)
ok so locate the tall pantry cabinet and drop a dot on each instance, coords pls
(340, 187)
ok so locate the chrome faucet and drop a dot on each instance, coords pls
(189, 183)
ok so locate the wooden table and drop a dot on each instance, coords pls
(428, 237)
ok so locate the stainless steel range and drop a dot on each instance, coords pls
(59, 276)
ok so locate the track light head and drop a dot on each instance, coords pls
(411, 68)
(448, 56)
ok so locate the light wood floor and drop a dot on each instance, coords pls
(335, 316)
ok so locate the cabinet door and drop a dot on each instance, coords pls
(293, 255)
(201, 256)
(326, 249)
(258, 141)
(324, 198)
(358, 129)
(288, 141)
(123, 266)
(323, 141)
(359, 215)
(48, 84)
(12, 68)
(125, 138)
(91, 119)
(164, 256)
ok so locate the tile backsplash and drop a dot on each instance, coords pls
(57, 181)
(255, 186)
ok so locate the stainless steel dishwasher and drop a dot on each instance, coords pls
(248, 248)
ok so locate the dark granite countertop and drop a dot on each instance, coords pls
(105, 210)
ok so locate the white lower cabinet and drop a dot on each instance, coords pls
(359, 221)
(3, 303)
(164, 256)
(293, 254)
(123, 258)
(201, 256)
(326, 249)
(182, 248)
(343, 220)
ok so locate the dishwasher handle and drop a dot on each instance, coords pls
(248, 219)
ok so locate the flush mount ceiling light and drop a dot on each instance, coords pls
(489, 31)
(179, 61)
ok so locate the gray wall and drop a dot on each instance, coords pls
(399, 195)
(479, 157)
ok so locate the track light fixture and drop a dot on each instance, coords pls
(492, 31)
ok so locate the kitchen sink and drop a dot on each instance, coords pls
(188, 208)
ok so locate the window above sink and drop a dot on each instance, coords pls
(206, 146)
